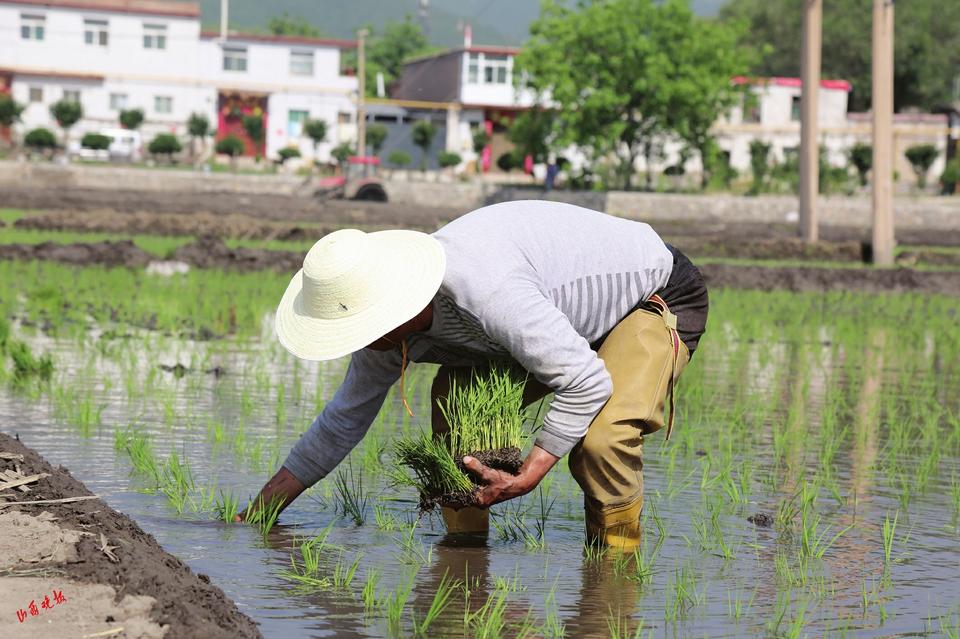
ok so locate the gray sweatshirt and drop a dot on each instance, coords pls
(531, 281)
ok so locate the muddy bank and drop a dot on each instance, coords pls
(800, 279)
(123, 253)
(108, 549)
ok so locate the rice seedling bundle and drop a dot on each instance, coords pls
(486, 422)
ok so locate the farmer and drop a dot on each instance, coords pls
(597, 309)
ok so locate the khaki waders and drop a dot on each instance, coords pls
(644, 356)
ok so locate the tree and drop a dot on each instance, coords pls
(861, 157)
(508, 161)
(950, 177)
(165, 144)
(198, 126)
(292, 26)
(617, 84)
(95, 141)
(253, 125)
(341, 152)
(316, 130)
(423, 134)
(927, 41)
(480, 141)
(532, 133)
(759, 164)
(287, 153)
(66, 113)
(10, 111)
(131, 118)
(448, 159)
(40, 139)
(921, 158)
(376, 136)
(233, 146)
(399, 159)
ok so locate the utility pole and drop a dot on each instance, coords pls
(883, 132)
(224, 19)
(809, 102)
(362, 76)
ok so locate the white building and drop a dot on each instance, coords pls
(111, 55)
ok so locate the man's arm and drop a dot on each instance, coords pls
(338, 429)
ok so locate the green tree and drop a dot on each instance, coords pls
(292, 26)
(95, 141)
(131, 118)
(423, 134)
(287, 153)
(376, 136)
(480, 140)
(861, 157)
(232, 146)
(617, 84)
(66, 113)
(253, 125)
(532, 133)
(10, 111)
(447, 159)
(342, 152)
(40, 139)
(950, 177)
(759, 164)
(399, 159)
(387, 50)
(921, 158)
(316, 130)
(926, 43)
(165, 144)
(198, 126)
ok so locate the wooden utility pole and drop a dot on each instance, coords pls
(883, 132)
(809, 101)
(362, 77)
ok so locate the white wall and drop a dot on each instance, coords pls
(492, 94)
(323, 107)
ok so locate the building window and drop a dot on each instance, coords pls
(163, 104)
(751, 108)
(488, 69)
(344, 118)
(795, 108)
(234, 58)
(36, 94)
(71, 95)
(473, 76)
(118, 101)
(32, 26)
(95, 32)
(154, 36)
(301, 63)
(295, 120)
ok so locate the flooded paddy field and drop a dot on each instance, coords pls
(811, 486)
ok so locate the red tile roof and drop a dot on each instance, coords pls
(839, 85)
(148, 7)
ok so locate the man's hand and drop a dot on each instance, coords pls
(497, 485)
(282, 485)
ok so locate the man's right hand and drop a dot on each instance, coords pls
(283, 485)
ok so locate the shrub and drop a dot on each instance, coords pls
(131, 118)
(253, 125)
(399, 159)
(231, 145)
(341, 152)
(316, 130)
(861, 157)
(376, 135)
(198, 125)
(921, 158)
(423, 134)
(66, 113)
(95, 141)
(447, 159)
(10, 110)
(507, 162)
(288, 152)
(40, 138)
(165, 144)
(759, 164)
(950, 177)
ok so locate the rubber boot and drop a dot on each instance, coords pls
(616, 527)
(468, 520)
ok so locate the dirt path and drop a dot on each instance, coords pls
(122, 579)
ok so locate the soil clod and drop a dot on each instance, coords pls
(761, 520)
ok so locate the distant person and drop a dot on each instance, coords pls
(597, 309)
(552, 170)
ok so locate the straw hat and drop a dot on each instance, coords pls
(354, 288)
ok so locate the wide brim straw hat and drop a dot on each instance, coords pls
(354, 288)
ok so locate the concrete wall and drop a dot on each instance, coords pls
(914, 212)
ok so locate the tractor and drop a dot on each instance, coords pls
(358, 182)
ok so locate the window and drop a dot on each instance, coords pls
(344, 118)
(301, 62)
(473, 76)
(795, 108)
(36, 94)
(234, 58)
(32, 26)
(154, 36)
(71, 95)
(751, 108)
(295, 120)
(162, 104)
(118, 101)
(488, 69)
(95, 32)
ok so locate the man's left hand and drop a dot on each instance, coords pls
(497, 485)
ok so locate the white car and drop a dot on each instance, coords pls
(125, 145)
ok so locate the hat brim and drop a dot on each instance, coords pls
(416, 264)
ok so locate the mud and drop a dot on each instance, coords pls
(211, 252)
(122, 253)
(761, 520)
(187, 603)
(507, 460)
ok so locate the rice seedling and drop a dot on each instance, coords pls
(486, 421)
(176, 481)
(227, 507)
(442, 598)
(889, 530)
(395, 603)
(369, 592)
(264, 515)
(349, 496)
(343, 573)
(618, 626)
(26, 365)
(138, 447)
(682, 595)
